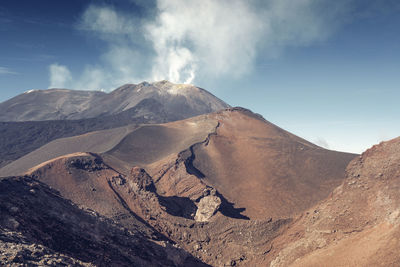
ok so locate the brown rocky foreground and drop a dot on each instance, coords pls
(40, 228)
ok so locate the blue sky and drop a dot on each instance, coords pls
(328, 71)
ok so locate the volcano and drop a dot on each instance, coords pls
(223, 188)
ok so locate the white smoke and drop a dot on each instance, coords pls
(216, 37)
(201, 39)
(60, 76)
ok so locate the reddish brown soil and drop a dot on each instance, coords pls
(265, 170)
(358, 224)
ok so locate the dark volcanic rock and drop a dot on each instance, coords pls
(142, 179)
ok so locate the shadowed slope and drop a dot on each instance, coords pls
(96, 142)
(152, 141)
(20, 138)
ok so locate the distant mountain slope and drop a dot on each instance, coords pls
(52, 104)
(178, 101)
(97, 142)
(20, 138)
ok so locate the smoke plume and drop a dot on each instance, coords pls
(186, 41)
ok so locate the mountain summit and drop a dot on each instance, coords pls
(174, 101)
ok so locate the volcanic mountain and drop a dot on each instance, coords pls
(177, 101)
(64, 113)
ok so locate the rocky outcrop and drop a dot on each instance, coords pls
(141, 179)
(207, 206)
(87, 163)
(18, 253)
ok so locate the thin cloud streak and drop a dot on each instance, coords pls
(7, 71)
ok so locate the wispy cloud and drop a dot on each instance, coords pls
(322, 142)
(186, 41)
(31, 58)
(124, 61)
(60, 76)
(7, 71)
(107, 22)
